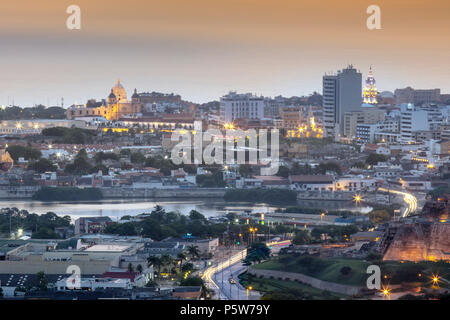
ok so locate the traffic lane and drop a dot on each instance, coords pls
(234, 291)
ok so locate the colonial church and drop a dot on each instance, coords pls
(117, 106)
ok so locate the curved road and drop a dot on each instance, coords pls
(409, 199)
(210, 274)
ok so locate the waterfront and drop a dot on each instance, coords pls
(118, 208)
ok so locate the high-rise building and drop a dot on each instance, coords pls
(241, 106)
(415, 119)
(370, 89)
(341, 94)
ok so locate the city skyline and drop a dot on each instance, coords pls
(202, 50)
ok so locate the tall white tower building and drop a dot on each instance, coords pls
(342, 92)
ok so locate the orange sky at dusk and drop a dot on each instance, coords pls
(203, 48)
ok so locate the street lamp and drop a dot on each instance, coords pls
(386, 293)
(249, 288)
(357, 198)
(435, 280)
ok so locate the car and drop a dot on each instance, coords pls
(232, 281)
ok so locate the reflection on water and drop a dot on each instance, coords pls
(118, 208)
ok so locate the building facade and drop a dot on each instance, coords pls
(241, 106)
(341, 93)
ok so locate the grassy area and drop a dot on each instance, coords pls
(289, 289)
(393, 272)
(330, 271)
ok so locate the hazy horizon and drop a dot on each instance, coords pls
(202, 49)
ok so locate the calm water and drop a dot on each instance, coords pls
(118, 208)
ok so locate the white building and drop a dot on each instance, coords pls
(342, 93)
(241, 106)
(415, 119)
(92, 284)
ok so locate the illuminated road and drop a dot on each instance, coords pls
(218, 277)
(408, 198)
(209, 274)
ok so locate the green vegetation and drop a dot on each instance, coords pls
(43, 224)
(28, 153)
(302, 210)
(214, 180)
(353, 272)
(374, 158)
(324, 269)
(137, 157)
(161, 163)
(101, 156)
(160, 224)
(439, 192)
(42, 165)
(80, 165)
(70, 135)
(67, 194)
(261, 195)
(379, 216)
(273, 289)
(38, 112)
(306, 169)
(337, 233)
(256, 253)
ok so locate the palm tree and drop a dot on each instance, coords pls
(193, 251)
(156, 262)
(181, 257)
(130, 268)
(167, 261)
(139, 268)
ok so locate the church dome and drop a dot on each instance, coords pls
(119, 92)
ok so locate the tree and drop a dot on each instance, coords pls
(187, 267)
(374, 158)
(45, 233)
(193, 251)
(379, 216)
(196, 216)
(167, 260)
(245, 170)
(329, 166)
(257, 252)
(42, 165)
(80, 165)
(283, 171)
(41, 281)
(137, 157)
(155, 262)
(28, 153)
(345, 271)
(301, 237)
(192, 282)
(181, 257)
(130, 268)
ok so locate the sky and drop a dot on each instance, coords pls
(201, 49)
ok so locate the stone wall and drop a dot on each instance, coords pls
(313, 282)
(419, 241)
